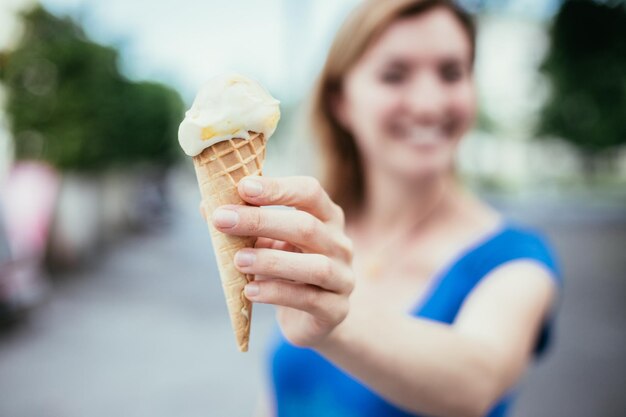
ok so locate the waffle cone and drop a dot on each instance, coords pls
(219, 168)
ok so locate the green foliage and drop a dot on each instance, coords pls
(586, 66)
(69, 104)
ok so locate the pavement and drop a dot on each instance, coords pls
(584, 374)
(143, 331)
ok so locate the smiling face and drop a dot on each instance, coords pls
(410, 98)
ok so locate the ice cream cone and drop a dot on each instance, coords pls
(225, 132)
(219, 168)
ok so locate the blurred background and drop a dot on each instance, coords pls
(110, 303)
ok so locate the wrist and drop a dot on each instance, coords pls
(341, 336)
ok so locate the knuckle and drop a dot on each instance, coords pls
(312, 183)
(255, 223)
(350, 283)
(339, 214)
(322, 274)
(342, 310)
(307, 228)
(338, 312)
(314, 188)
(270, 264)
(345, 282)
(345, 247)
(311, 299)
(349, 247)
(274, 191)
(275, 292)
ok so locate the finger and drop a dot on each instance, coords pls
(264, 242)
(303, 193)
(259, 278)
(294, 226)
(309, 268)
(323, 305)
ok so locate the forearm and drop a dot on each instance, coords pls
(419, 365)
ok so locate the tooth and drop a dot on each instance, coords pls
(419, 135)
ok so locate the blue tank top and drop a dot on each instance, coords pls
(305, 384)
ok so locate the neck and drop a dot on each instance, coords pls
(391, 204)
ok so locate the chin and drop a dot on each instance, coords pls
(427, 174)
(422, 170)
(422, 163)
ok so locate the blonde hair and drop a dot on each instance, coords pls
(342, 171)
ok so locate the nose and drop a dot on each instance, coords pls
(425, 98)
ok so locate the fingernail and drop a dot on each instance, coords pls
(225, 218)
(252, 188)
(244, 258)
(251, 290)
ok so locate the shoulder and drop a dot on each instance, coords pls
(519, 276)
(518, 246)
(520, 282)
(516, 261)
(522, 278)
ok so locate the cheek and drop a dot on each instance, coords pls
(463, 107)
(367, 108)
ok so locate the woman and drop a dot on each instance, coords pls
(406, 295)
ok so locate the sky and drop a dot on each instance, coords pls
(281, 43)
(270, 40)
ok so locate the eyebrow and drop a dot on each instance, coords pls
(398, 63)
(404, 64)
(451, 61)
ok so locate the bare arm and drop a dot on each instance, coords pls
(459, 370)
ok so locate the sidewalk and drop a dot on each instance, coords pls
(143, 332)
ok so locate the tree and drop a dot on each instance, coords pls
(586, 66)
(69, 105)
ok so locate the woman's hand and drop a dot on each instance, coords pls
(302, 259)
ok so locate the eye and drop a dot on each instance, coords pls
(392, 77)
(451, 72)
(393, 74)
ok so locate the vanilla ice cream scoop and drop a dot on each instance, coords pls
(226, 107)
